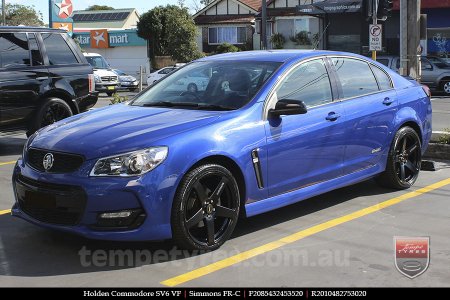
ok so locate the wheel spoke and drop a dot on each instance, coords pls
(402, 172)
(219, 189)
(404, 144)
(210, 230)
(225, 212)
(201, 192)
(411, 166)
(197, 218)
(412, 148)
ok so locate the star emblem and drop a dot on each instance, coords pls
(65, 9)
(99, 37)
(64, 27)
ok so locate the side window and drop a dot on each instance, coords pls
(164, 71)
(426, 65)
(355, 76)
(14, 50)
(36, 57)
(58, 51)
(383, 79)
(309, 82)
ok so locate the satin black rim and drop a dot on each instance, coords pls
(55, 113)
(407, 159)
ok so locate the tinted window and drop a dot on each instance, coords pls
(355, 76)
(383, 80)
(36, 57)
(14, 50)
(58, 51)
(309, 83)
(383, 61)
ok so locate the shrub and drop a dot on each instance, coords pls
(226, 47)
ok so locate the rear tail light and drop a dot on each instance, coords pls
(91, 80)
(427, 91)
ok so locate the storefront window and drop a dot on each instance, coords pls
(439, 42)
(300, 33)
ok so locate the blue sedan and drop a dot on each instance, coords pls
(271, 128)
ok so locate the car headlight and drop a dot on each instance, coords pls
(97, 78)
(130, 164)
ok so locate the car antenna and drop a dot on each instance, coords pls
(321, 36)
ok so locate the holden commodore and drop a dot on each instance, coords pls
(271, 128)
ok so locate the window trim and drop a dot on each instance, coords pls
(47, 59)
(237, 35)
(270, 95)
(372, 66)
(39, 45)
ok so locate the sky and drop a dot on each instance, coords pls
(141, 5)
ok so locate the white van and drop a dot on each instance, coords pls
(106, 80)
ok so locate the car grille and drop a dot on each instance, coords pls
(50, 203)
(109, 78)
(63, 162)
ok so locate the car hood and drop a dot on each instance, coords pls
(118, 129)
(104, 72)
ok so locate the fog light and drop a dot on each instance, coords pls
(115, 215)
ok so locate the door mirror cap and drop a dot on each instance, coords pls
(287, 107)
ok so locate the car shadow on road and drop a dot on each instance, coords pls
(11, 145)
(27, 250)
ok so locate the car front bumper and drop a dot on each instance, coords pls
(103, 88)
(74, 202)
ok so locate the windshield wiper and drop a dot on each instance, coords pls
(170, 104)
(214, 107)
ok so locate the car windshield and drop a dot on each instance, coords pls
(120, 73)
(97, 62)
(211, 85)
(440, 63)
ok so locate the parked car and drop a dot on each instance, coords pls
(185, 165)
(127, 82)
(44, 78)
(194, 82)
(106, 81)
(157, 75)
(435, 71)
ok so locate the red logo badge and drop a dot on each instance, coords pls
(412, 255)
(65, 9)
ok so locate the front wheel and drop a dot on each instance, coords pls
(205, 208)
(52, 110)
(446, 87)
(403, 164)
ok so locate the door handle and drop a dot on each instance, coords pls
(42, 78)
(332, 116)
(387, 101)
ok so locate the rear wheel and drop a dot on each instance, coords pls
(52, 110)
(205, 208)
(403, 165)
(446, 87)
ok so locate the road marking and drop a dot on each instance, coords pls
(4, 212)
(7, 163)
(227, 262)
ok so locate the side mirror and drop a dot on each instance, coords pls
(286, 107)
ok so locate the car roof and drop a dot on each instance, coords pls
(29, 28)
(275, 55)
(90, 54)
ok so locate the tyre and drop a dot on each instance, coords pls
(404, 159)
(445, 86)
(206, 208)
(52, 110)
(109, 94)
(192, 87)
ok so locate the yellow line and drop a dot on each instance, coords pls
(4, 212)
(221, 264)
(7, 163)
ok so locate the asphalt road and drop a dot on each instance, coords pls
(441, 113)
(342, 238)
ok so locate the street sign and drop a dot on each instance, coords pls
(375, 37)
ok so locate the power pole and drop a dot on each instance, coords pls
(3, 13)
(410, 38)
(263, 24)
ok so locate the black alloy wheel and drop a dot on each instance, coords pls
(206, 208)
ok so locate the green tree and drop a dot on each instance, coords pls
(18, 14)
(99, 7)
(170, 31)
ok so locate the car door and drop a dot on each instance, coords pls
(370, 104)
(22, 75)
(429, 73)
(305, 149)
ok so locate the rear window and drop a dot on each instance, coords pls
(58, 52)
(14, 50)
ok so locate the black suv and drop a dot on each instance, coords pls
(44, 78)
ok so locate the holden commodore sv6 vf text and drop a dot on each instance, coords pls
(271, 128)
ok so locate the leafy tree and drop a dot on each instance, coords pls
(99, 7)
(170, 31)
(206, 2)
(18, 14)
